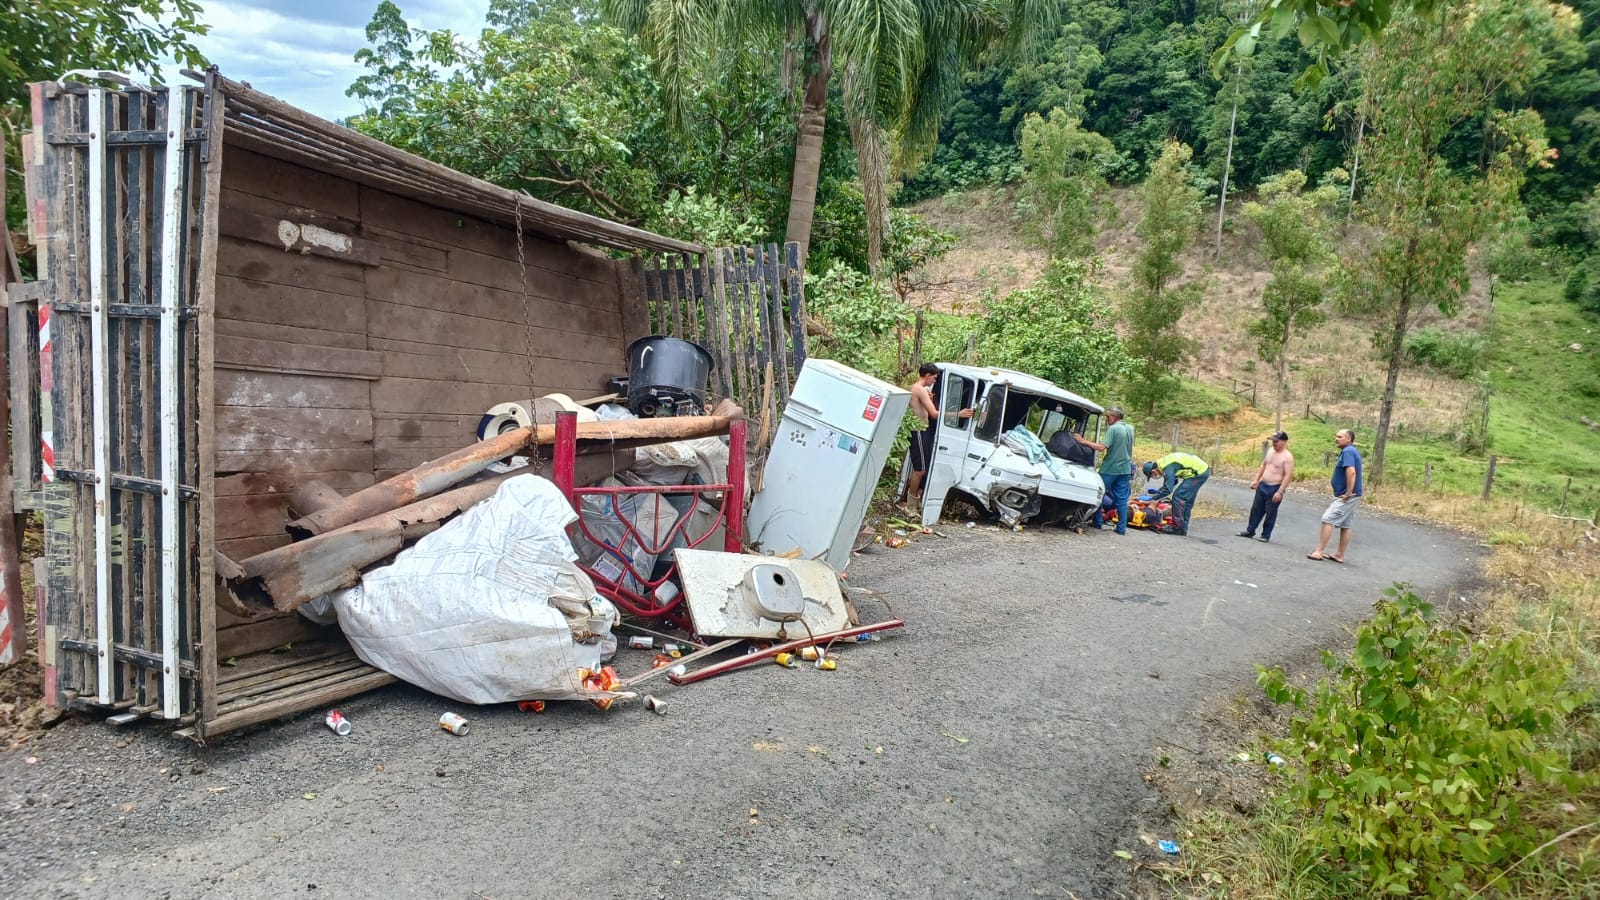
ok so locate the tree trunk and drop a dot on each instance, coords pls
(916, 342)
(808, 141)
(1355, 166)
(1227, 165)
(1397, 348)
(1283, 379)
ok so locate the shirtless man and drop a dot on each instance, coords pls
(1277, 470)
(922, 441)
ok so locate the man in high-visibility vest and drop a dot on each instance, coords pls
(1182, 474)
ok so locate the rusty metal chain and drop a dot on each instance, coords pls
(527, 333)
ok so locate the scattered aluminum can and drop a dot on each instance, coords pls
(453, 723)
(679, 670)
(655, 705)
(1168, 847)
(808, 654)
(1275, 759)
(337, 723)
(786, 660)
(642, 642)
(827, 664)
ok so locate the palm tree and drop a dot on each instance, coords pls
(899, 64)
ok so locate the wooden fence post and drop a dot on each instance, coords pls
(1174, 438)
(1563, 510)
(1488, 479)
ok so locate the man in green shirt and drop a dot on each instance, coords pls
(1116, 467)
(1182, 476)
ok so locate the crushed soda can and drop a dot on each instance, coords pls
(786, 660)
(1275, 759)
(655, 705)
(1168, 847)
(827, 664)
(679, 670)
(453, 723)
(642, 642)
(533, 706)
(337, 723)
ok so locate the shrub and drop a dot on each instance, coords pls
(1458, 354)
(854, 311)
(1409, 757)
(1583, 284)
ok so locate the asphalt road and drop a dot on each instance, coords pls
(991, 748)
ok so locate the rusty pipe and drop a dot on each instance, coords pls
(751, 659)
(436, 475)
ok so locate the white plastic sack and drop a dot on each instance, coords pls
(466, 612)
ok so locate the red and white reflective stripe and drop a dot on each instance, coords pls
(9, 637)
(47, 379)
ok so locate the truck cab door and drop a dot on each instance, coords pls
(949, 444)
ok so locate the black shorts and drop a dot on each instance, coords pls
(921, 449)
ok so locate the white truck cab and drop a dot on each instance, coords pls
(974, 459)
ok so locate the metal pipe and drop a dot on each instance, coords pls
(173, 207)
(566, 447)
(751, 659)
(733, 532)
(436, 475)
(100, 389)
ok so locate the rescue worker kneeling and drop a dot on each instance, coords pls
(1182, 474)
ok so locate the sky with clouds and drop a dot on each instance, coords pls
(302, 51)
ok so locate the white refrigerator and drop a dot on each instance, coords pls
(837, 432)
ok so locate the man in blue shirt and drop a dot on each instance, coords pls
(1341, 513)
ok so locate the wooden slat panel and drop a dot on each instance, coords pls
(477, 236)
(289, 233)
(252, 516)
(255, 353)
(547, 308)
(245, 259)
(295, 428)
(263, 176)
(393, 321)
(248, 483)
(316, 337)
(278, 304)
(294, 462)
(268, 389)
(244, 548)
(413, 395)
(422, 427)
(254, 637)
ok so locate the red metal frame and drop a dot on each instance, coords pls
(731, 517)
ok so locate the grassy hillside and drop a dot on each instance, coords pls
(1540, 387)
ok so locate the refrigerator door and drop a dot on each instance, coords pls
(813, 478)
(852, 402)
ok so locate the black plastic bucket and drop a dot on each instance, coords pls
(665, 373)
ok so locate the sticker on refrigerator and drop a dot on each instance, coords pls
(849, 444)
(874, 405)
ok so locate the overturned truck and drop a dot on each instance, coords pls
(995, 459)
(237, 299)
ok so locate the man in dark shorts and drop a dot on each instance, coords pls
(922, 441)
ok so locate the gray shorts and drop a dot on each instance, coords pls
(1341, 513)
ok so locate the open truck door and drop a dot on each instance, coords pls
(950, 443)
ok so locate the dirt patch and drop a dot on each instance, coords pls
(1335, 371)
(23, 714)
